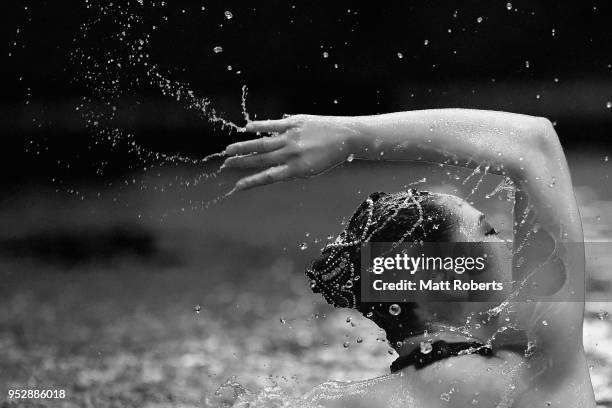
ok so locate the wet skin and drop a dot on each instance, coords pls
(503, 380)
(547, 256)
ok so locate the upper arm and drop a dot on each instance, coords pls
(548, 263)
(546, 214)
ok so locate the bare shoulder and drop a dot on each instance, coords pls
(455, 382)
(507, 379)
(463, 381)
(471, 380)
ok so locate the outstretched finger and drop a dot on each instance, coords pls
(277, 125)
(269, 176)
(261, 145)
(256, 160)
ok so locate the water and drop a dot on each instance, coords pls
(265, 365)
(426, 347)
(395, 310)
(123, 65)
(128, 330)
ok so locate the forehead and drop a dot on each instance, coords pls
(459, 207)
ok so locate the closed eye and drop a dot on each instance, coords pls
(491, 231)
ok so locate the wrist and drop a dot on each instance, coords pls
(359, 137)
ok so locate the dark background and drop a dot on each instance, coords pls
(278, 48)
(120, 286)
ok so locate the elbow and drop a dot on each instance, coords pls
(539, 144)
(543, 137)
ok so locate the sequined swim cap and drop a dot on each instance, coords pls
(406, 216)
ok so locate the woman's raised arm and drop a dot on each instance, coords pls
(524, 148)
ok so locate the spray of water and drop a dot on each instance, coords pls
(105, 71)
(113, 65)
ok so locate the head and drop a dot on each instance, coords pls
(409, 216)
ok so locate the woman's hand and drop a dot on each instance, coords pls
(303, 146)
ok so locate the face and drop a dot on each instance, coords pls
(474, 227)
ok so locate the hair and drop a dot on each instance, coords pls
(407, 216)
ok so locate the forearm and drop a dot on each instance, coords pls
(524, 148)
(502, 141)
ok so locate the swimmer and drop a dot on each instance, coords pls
(523, 351)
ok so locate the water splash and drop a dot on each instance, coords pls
(479, 182)
(114, 64)
(506, 185)
(109, 90)
(183, 92)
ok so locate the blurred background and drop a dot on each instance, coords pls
(124, 280)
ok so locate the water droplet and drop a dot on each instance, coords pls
(369, 314)
(602, 315)
(303, 246)
(479, 20)
(400, 55)
(609, 104)
(350, 157)
(282, 320)
(426, 347)
(395, 309)
(218, 49)
(606, 158)
(544, 322)
(598, 218)
(509, 6)
(531, 349)
(325, 54)
(228, 14)
(346, 344)
(426, 42)
(527, 64)
(197, 309)
(359, 340)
